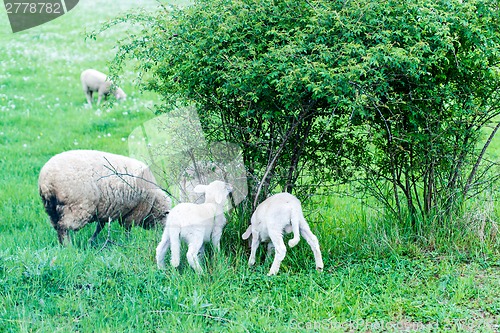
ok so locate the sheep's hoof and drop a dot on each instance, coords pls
(319, 269)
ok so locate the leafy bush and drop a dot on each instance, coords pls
(392, 94)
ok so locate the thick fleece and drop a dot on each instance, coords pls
(82, 186)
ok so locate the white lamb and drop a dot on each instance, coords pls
(196, 224)
(278, 214)
(95, 81)
(82, 186)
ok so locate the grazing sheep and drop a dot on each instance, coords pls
(82, 186)
(195, 224)
(280, 213)
(95, 81)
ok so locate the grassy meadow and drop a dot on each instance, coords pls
(376, 278)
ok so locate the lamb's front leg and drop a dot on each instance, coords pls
(220, 223)
(216, 236)
(192, 254)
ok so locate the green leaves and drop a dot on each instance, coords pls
(321, 91)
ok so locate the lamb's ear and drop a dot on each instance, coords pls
(219, 198)
(200, 188)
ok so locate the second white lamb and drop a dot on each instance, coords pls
(196, 224)
(278, 214)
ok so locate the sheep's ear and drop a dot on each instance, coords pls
(200, 188)
(219, 198)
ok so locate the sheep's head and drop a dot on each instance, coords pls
(215, 192)
(120, 94)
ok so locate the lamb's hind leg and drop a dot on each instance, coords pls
(162, 249)
(312, 240)
(175, 244)
(279, 252)
(254, 247)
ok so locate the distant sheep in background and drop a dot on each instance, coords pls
(278, 214)
(196, 224)
(82, 186)
(95, 81)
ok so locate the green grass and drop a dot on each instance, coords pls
(376, 278)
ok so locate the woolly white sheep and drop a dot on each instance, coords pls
(82, 186)
(95, 81)
(195, 224)
(280, 213)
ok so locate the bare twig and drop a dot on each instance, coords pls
(108, 239)
(479, 159)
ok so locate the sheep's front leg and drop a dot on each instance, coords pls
(279, 252)
(62, 235)
(100, 225)
(216, 236)
(220, 222)
(192, 254)
(99, 97)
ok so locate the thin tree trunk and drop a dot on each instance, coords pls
(478, 161)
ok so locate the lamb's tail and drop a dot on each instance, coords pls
(247, 233)
(296, 218)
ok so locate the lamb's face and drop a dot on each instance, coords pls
(217, 191)
(221, 191)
